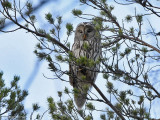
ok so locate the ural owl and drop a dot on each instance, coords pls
(87, 49)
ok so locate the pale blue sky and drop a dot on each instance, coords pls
(17, 58)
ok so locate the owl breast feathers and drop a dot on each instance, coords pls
(86, 49)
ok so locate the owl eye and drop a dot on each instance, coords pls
(80, 31)
(89, 30)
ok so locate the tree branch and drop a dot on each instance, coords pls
(37, 7)
(141, 41)
(108, 102)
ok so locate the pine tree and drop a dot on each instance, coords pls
(11, 99)
(130, 58)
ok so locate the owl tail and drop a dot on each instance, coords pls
(80, 100)
(81, 96)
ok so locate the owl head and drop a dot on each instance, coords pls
(85, 31)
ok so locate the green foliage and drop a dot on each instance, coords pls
(12, 97)
(59, 111)
(103, 1)
(98, 22)
(147, 116)
(70, 106)
(83, 77)
(108, 10)
(103, 117)
(61, 106)
(149, 94)
(118, 106)
(59, 58)
(69, 27)
(41, 31)
(118, 45)
(91, 63)
(49, 17)
(90, 106)
(40, 55)
(71, 56)
(114, 49)
(139, 18)
(85, 88)
(142, 111)
(127, 51)
(128, 18)
(48, 58)
(106, 76)
(120, 32)
(59, 94)
(122, 96)
(29, 8)
(84, 61)
(38, 46)
(66, 91)
(7, 4)
(38, 117)
(35, 107)
(76, 92)
(52, 67)
(141, 99)
(33, 18)
(111, 7)
(110, 87)
(144, 50)
(88, 117)
(51, 105)
(131, 31)
(52, 31)
(134, 112)
(102, 13)
(49, 38)
(68, 45)
(59, 19)
(76, 12)
(81, 113)
(110, 114)
(86, 46)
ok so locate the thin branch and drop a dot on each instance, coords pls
(108, 102)
(141, 41)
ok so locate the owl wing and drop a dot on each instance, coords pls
(70, 75)
(72, 67)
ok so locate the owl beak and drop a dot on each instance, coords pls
(84, 36)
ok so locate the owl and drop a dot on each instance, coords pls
(86, 48)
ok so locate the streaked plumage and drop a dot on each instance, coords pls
(85, 35)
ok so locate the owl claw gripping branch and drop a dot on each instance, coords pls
(81, 75)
